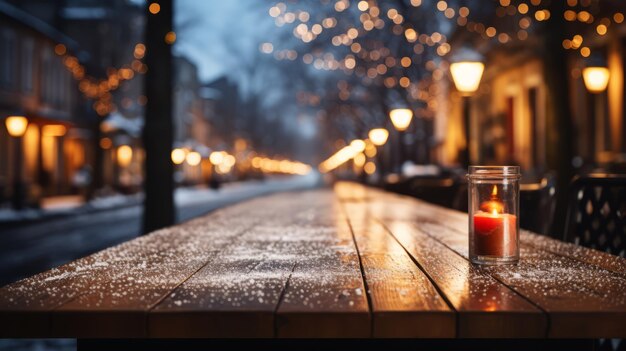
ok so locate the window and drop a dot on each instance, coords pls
(45, 76)
(28, 50)
(7, 57)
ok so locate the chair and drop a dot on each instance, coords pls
(537, 204)
(439, 191)
(596, 214)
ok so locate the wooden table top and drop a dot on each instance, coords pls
(345, 262)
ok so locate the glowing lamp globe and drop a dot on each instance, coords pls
(178, 156)
(193, 158)
(401, 118)
(378, 136)
(124, 155)
(357, 145)
(466, 75)
(16, 125)
(596, 79)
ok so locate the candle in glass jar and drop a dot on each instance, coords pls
(495, 232)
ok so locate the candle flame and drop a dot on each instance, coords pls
(494, 192)
(494, 212)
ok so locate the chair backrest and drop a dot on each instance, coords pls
(596, 214)
(537, 204)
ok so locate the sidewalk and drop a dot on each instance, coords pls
(66, 206)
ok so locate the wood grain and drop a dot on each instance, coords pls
(348, 262)
(583, 291)
(236, 294)
(325, 296)
(404, 302)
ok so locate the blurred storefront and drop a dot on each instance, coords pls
(509, 112)
(35, 83)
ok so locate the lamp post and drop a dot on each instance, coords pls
(596, 80)
(401, 119)
(466, 76)
(16, 126)
(378, 137)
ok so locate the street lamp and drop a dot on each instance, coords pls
(401, 119)
(178, 156)
(378, 136)
(596, 79)
(466, 76)
(124, 155)
(193, 158)
(16, 126)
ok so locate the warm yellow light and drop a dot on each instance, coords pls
(54, 130)
(154, 8)
(193, 158)
(596, 79)
(360, 159)
(401, 118)
(229, 160)
(378, 136)
(106, 143)
(124, 155)
(60, 49)
(370, 150)
(178, 156)
(346, 153)
(216, 157)
(223, 168)
(370, 168)
(357, 145)
(16, 125)
(466, 75)
(170, 38)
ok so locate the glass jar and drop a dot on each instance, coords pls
(493, 209)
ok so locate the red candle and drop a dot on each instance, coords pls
(494, 234)
(494, 231)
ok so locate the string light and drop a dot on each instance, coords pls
(100, 90)
(352, 49)
(268, 165)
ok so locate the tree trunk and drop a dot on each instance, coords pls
(97, 181)
(157, 132)
(558, 122)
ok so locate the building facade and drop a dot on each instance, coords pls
(35, 82)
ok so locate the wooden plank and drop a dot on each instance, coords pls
(237, 293)
(118, 308)
(583, 290)
(597, 258)
(404, 302)
(325, 296)
(423, 212)
(486, 308)
(41, 294)
(582, 300)
(26, 306)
